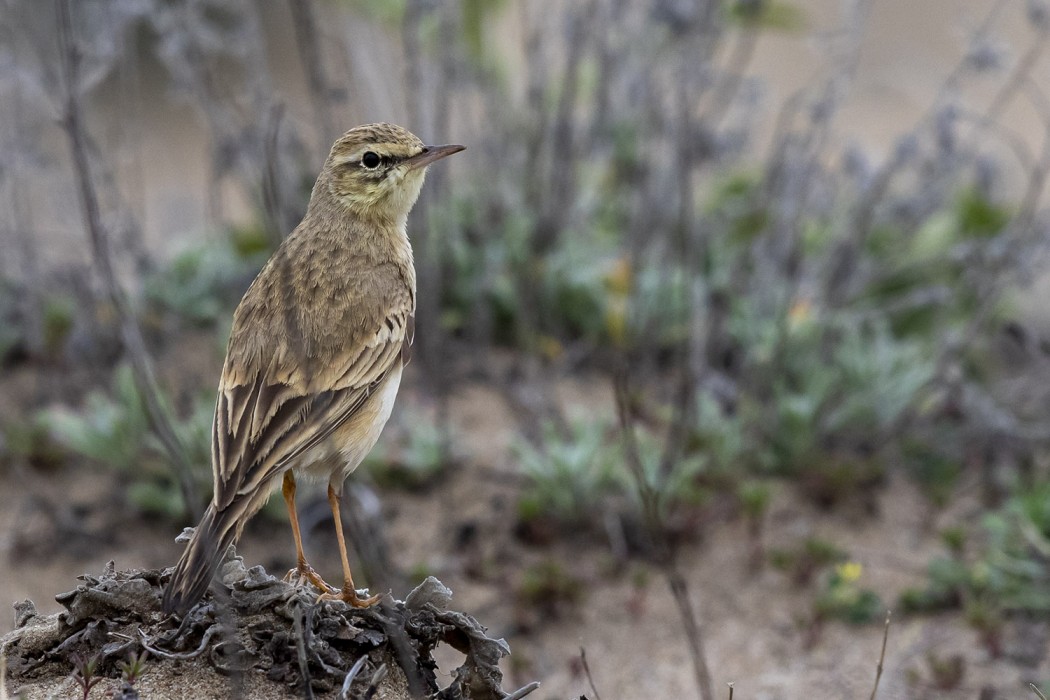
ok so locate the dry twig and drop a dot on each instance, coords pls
(344, 692)
(522, 692)
(300, 650)
(587, 672)
(665, 555)
(882, 655)
(101, 253)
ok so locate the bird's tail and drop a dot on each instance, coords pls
(194, 572)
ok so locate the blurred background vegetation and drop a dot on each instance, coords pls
(769, 284)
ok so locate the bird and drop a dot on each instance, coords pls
(315, 354)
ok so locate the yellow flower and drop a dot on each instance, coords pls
(619, 277)
(800, 312)
(849, 572)
(550, 347)
(616, 321)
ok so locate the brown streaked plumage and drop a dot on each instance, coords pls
(316, 351)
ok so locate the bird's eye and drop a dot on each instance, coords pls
(371, 160)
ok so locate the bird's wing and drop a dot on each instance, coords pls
(270, 411)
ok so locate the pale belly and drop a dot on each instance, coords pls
(341, 454)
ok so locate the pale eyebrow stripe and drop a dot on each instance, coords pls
(355, 156)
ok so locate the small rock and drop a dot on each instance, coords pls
(24, 612)
(430, 591)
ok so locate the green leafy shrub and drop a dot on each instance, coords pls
(12, 334)
(203, 284)
(550, 588)
(31, 439)
(414, 458)
(842, 598)
(803, 562)
(1007, 573)
(570, 476)
(112, 430)
(58, 315)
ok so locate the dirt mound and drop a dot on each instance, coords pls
(254, 635)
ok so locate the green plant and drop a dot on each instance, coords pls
(132, 669)
(765, 14)
(567, 297)
(415, 458)
(755, 497)
(84, 670)
(112, 430)
(550, 587)
(12, 332)
(568, 476)
(202, 284)
(57, 322)
(946, 673)
(807, 559)
(842, 597)
(31, 439)
(1008, 570)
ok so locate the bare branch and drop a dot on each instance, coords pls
(665, 556)
(101, 253)
(271, 185)
(344, 692)
(522, 692)
(308, 40)
(882, 655)
(300, 650)
(587, 672)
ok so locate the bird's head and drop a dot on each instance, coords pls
(377, 170)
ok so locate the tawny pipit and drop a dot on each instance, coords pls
(316, 352)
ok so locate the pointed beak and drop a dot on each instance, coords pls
(430, 154)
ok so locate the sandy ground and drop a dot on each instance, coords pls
(625, 621)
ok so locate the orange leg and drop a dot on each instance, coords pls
(349, 593)
(303, 571)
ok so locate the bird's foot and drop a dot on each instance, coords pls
(349, 596)
(303, 574)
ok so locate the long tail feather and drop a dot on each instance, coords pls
(196, 568)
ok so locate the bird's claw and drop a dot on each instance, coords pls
(301, 575)
(350, 597)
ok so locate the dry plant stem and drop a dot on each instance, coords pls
(587, 672)
(665, 555)
(1019, 76)
(1025, 220)
(863, 213)
(444, 84)
(1036, 690)
(344, 692)
(367, 534)
(148, 645)
(271, 185)
(131, 335)
(20, 209)
(300, 649)
(724, 94)
(431, 345)
(377, 678)
(308, 40)
(882, 655)
(523, 691)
